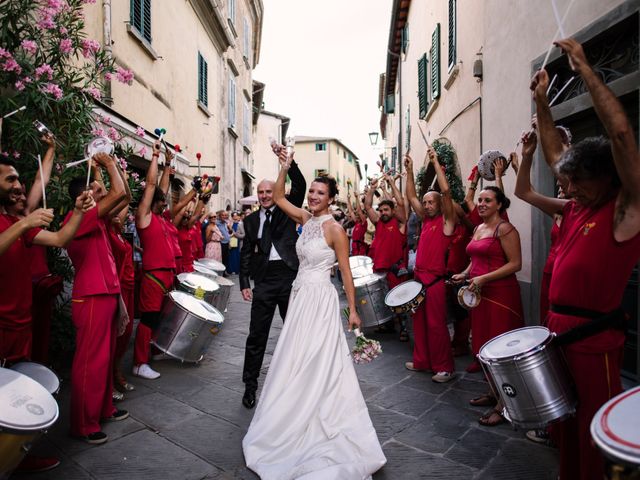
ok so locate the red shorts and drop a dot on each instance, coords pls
(152, 290)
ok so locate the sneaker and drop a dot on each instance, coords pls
(33, 464)
(117, 416)
(117, 396)
(95, 438)
(539, 435)
(443, 377)
(145, 371)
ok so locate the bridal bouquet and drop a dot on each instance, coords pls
(365, 350)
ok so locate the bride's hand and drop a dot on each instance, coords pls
(354, 321)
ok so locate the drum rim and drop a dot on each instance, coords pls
(604, 441)
(460, 295)
(422, 290)
(375, 278)
(215, 282)
(55, 375)
(184, 309)
(524, 354)
(17, 429)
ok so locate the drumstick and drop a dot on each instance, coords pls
(551, 83)
(88, 174)
(564, 87)
(423, 135)
(77, 162)
(14, 112)
(558, 21)
(44, 195)
(544, 63)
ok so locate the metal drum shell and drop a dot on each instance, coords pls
(223, 294)
(370, 294)
(204, 270)
(209, 295)
(182, 334)
(211, 264)
(543, 389)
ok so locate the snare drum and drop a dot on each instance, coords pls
(40, 374)
(527, 369)
(405, 297)
(204, 270)
(198, 285)
(211, 264)
(615, 430)
(27, 410)
(222, 295)
(370, 293)
(186, 327)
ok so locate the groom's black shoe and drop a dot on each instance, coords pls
(249, 398)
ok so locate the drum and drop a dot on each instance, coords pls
(222, 295)
(485, 164)
(405, 297)
(370, 293)
(615, 430)
(204, 270)
(186, 327)
(361, 266)
(211, 264)
(27, 410)
(198, 285)
(468, 297)
(529, 373)
(40, 374)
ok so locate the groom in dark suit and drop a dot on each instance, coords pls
(268, 256)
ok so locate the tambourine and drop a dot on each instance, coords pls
(468, 297)
(485, 164)
(98, 145)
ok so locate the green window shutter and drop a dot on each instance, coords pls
(435, 63)
(140, 17)
(452, 33)
(405, 38)
(423, 82)
(390, 103)
(203, 79)
(146, 17)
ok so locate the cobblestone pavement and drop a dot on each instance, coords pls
(189, 423)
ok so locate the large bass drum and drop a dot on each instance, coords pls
(27, 410)
(186, 327)
(198, 285)
(527, 369)
(370, 293)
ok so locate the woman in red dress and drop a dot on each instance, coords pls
(495, 258)
(358, 245)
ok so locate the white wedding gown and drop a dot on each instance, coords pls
(311, 421)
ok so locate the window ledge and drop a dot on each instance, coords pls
(232, 131)
(232, 27)
(204, 108)
(246, 148)
(144, 43)
(432, 108)
(246, 62)
(453, 74)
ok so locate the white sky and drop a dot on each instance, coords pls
(321, 62)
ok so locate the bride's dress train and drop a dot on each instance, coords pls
(311, 421)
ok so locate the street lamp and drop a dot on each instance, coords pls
(373, 138)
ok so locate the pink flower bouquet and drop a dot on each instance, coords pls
(365, 350)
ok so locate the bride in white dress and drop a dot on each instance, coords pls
(311, 421)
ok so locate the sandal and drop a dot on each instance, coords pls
(486, 400)
(491, 418)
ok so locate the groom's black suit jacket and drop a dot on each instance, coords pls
(254, 261)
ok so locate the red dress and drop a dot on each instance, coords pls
(546, 273)
(185, 239)
(358, 245)
(591, 271)
(500, 309)
(457, 261)
(389, 248)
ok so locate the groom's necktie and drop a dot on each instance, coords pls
(265, 240)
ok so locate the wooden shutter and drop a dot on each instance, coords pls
(390, 103)
(405, 38)
(452, 34)
(146, 18)
(435, 63)
(232, 101)
(203, 78)
(423, 82)
(140, 17)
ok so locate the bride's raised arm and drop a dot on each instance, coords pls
(297, 214)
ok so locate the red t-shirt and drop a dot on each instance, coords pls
(15, 278)
(432, 247)
(186, 244)
(90, 253)
(39, 265)
(196, 238)
(458, 259)
(123, 255)
(157, 250)
(389, 245)
(173, 237)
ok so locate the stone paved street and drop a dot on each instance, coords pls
(189, 423)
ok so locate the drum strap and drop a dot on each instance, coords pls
(433, 282)
(599, 322)
(157, 281)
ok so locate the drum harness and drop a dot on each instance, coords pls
(599, 322)
(152, 319)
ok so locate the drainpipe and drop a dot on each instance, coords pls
(106, 34)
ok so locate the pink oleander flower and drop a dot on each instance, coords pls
(90, 47)
(97, 132)
(52, 89)
(4, 154)
(106, 120)
(113, 134)
(16, 154)
(135, 175)
(58, 168)
(29, 46)
(63, 31)
(142, 152)
(56, 5)
(44, 69)
(123, 163)
(124, 75)
(10, 65)
(66, 45)
(46, 20)
(94, 92)
(143, 184)
(108, 76)
(19, 85)
(140, 131)
(27, 79)
(5, 53)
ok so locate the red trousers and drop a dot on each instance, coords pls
(15, 345)
(151, 298)
(544, 298)
(45, 291)
(91, 378)
(432, 346)
(122, 342)
(597, 378)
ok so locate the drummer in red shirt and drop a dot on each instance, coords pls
(158, 264)
(358, 245)
(389, 246)
(599, 245)
(94, 308)
(432, 347)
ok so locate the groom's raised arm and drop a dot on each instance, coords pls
(298, 185)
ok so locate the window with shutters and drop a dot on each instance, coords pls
(321, 147)
(246, 41)
(232, 101)
(140, 12)
(246, 125)
(203, 81)
(390, 103)
(232, 10)
(423, 85)
(434, 53)
(405, 38)
(452, 34)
